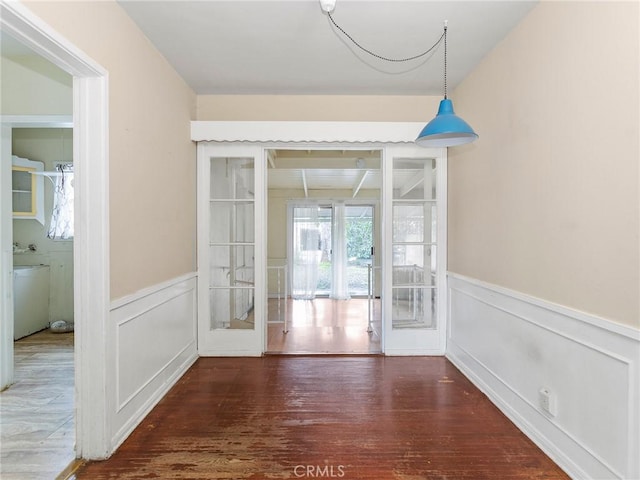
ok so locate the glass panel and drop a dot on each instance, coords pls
(22, 202)
(23, 190)
(408, 223)
(22, 179)
(231, 309)
(232, 178)
(232, 266)
(414, 308)
(409, 265)
(414, 178)
(224, 214)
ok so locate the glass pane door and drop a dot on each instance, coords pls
(229, 321)
(414, 201)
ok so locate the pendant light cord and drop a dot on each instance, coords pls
(395, 60)
(444, 34)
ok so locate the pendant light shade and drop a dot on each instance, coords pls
(446, 129)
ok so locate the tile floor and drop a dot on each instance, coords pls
(37, 432)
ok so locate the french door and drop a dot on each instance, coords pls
(231, 262)
(414, 274)
(331, 247)
(232, 225)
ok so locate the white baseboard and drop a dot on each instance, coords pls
(512, 345)
(154, 333)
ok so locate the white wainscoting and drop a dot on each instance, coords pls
(154, 333)
(512, 345)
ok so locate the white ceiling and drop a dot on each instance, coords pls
(291, 47)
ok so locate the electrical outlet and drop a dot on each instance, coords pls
(547, 401)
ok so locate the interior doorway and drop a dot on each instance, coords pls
(38, 437)
(90, 250)
(323, 228)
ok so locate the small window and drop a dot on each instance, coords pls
(61, 226)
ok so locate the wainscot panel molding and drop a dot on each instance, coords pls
(512, 346)
(154, 333)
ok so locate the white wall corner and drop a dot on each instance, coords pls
(511, 345)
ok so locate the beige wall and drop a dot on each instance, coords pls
(546, 201)
(152, 160)
(34, 86)
(338, 108)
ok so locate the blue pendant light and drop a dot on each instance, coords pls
(446, 129)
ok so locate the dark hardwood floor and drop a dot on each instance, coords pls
(350, 417)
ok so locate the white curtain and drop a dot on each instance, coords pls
(61, 226)
(306, 252)
(339, 260)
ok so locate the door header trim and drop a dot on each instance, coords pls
(307, 132)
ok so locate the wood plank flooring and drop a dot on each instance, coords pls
(324, 326)
(37, 414)
(351, 417)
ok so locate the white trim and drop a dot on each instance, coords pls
(496, 334)
(38, 121)
(301, 132)
(91, 247)
(599, 322)
(17, 20)
(91, 264)
(6, 261)
(148, 291)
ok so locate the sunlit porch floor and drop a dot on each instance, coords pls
(324, 326)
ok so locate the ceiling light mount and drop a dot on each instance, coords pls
(327, 5)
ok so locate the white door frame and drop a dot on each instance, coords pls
(6, 261)
(91, 242)
(8, 123)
